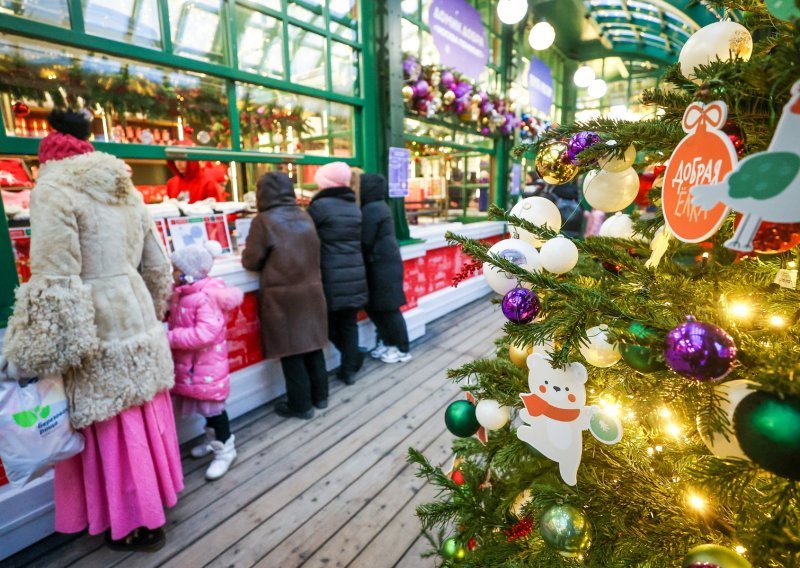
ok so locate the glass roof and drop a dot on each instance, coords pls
(655, 24)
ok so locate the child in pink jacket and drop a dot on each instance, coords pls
(197, 323)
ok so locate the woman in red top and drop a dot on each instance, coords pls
(192, 183)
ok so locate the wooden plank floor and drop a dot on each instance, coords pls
(332, 491)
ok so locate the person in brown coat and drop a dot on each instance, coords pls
(283, 246)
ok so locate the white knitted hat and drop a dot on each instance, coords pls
(196, 261)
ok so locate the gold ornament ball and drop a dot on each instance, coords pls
(476, 99)
(448, 97)
(436, 78)
(552, 167)
(519, 356)
(408, 93)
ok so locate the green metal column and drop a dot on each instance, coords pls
(503, 144)
(8, 271)
(384, 108)
(569, 93)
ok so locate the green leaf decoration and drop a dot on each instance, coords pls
(45, 412)
(25, 419)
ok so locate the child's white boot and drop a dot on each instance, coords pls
(224, 454)
(204, 448)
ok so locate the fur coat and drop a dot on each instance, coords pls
(198, 318)
(100, 283)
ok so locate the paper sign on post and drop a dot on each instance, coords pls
(399, 159)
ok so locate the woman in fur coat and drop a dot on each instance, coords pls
(91, 312)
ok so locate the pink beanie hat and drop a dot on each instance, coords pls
(57, 146)
(335, 174)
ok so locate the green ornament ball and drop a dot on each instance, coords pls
(713, 556)
(783, 9)
(641, 359)
(460, 419)
(768, 430)
(566, 529)
(451, 550)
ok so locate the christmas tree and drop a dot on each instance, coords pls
(673, 339)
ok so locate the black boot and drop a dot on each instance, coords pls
(282, 409)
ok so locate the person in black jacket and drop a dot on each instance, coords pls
(338, 220)
(384, 271)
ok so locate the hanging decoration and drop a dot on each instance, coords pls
(618, 164)
(514, 250)
(718, 41)
(566, 529)
(555, 415)
(538, 211)
(520, 529)
(512, 11)
(452, 550)
(724, 444)
(699, 351)
(542, 36)
(640, 358)
(783, 9)
(519, 355)
(521, 305)
(599, 352)
(773, 238)
(491, 414)
(528, 126)
(459, 417)
(553, 163)
(618, 226)
(433, 91)
(559, 255)
(21, 109)
(580, 142)
(768, 430)
(713, 556)
(704, 156)
(764, 186)
(610, 191)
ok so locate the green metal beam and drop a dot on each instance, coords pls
(8, 274)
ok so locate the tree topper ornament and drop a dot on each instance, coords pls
(765, 186)
(556, 415)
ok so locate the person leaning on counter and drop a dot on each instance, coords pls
(191, 181)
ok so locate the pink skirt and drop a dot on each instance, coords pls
(130, 470)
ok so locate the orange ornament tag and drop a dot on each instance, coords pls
(703, 157)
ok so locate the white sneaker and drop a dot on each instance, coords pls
(204, 448)
(224, 454)
(379, 351)
(394, 355)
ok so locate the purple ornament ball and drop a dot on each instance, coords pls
(421, 88)
(486, 131)
(699, 351)
(462, 90)
(447, 80)
(580, 142)
(412, 68)
(521, 305)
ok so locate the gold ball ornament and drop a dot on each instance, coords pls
(436, 78)
(408, 93)
(519, 355)
(448, 97)
(477, 99)
(552, 167)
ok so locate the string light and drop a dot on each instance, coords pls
(650, 451)
(740, 310)
(696, 502)
(792, 265)
(674, 430)
(740, 549)
(776, 321)
(664, 412)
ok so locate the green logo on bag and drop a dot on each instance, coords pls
(29, 418)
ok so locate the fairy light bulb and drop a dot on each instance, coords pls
(696, 502)
(740, 310)
(776, 321)
(597, 89)
(664, 412)
(542, 36)
(512, 11)
(792, 264)
(740, 549)
(583, 76)
(673, 430)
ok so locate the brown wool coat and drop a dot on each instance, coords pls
(88, 313)
(283, 246)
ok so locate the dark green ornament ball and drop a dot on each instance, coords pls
(451, 550)
(713, 555)
(566, 529)
(641, 359)
(460, 419)
(768, 430)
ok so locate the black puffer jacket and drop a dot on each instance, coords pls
(338, 221)
(381, 253)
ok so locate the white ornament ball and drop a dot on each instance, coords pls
(559, 255)
(720, 40)
(731, 393)
(517, 251)
(491, 415)
(619, 164)
(599, 352)
(538, 211)
(611, 191)
(512, 11)
(620, 226)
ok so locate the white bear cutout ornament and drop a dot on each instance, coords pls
(555, 415)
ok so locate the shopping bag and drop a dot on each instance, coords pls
(35, 432)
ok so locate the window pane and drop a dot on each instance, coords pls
(429, 52)
(310, 11)
(132, 21)
(410, 37)
(197, 29)
(55, 12)
(275, 122)
(260, 40)
(274, 4)
(344, 8)
(307, 57)
(133, 103)
(410, 7)
(344, 31)
(344, 69)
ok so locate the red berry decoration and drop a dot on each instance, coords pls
(774, 238)
(472, 544)
(645, 184)
(458, 477)
(20, 109)
(522, 529)
(736, 137)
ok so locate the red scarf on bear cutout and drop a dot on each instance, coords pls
(537, 406)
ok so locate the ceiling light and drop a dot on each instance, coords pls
(584, 76)
(512, 11)
(542, 36)
(597, 89)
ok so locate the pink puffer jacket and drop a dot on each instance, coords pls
(197, 323)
